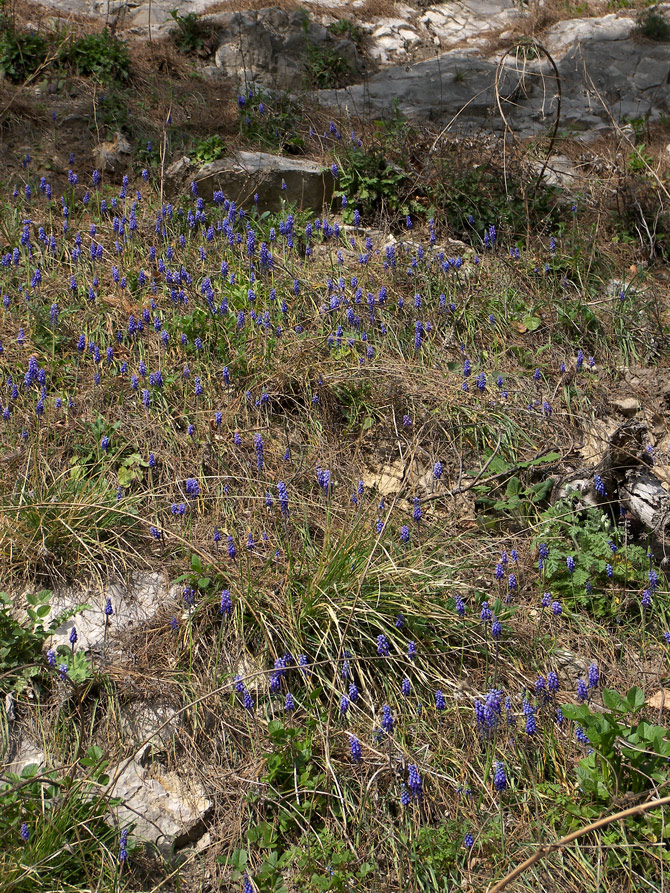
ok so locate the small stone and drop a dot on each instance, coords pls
(409, 36)
(27, 754)
(177, 172)
(626, 406)
(112, 155)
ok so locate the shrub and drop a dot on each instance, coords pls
(112, 111)
(270, 119)
(372, 183)
(325, 67)
(21, 53)
(652, 23)
(348, 29)
(102, 56)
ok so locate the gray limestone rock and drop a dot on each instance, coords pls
(167, 809)
(435, 90)
(134, 604)
(605, 73)
(271, 47)
(177, 173)
(149, 722)
(566, 35)
(240, 176)
(26, 753)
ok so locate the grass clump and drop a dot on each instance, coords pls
(56, 822)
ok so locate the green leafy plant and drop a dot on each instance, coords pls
(190, 34)
(208, 149)
(291, 762)
(268, 877)
(374, 180)
(112, 111)
(199, 578)
(21, 52)
(102, 56)
(639, 159)
(325, 67)
(629, 757)
(349, 29)
(77, 665)
(131, 469)
(21, 642)
(473, 196)
(436, 852)
(590, 538)
(372, 184)
(323, 863)
(521, 497)
(293, 800)
(355, 403)
(87, 447)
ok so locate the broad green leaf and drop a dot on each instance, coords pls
(635, 698)
(532, 323)
(614, 702)
(578, 713)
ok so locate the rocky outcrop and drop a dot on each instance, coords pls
(438, 62)
(605, 73)
(273, 48)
